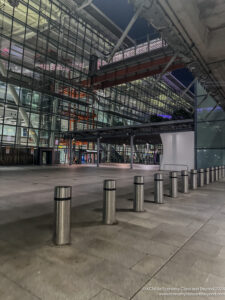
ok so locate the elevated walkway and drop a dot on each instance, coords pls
(152, 58)
(121, 134)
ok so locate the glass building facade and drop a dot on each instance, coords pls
(45, 51)
(210, 130)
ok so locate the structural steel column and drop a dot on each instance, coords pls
(98, 151)
(196, 126)
(18, 131)
(137, 153)
(131, 151)
(71, 151)
(108, 152)
(53, 123)
(124, 153)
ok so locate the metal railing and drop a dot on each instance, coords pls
(146, 47)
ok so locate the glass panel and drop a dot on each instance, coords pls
(9, 133)
(210, 130)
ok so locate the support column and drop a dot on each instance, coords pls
(108, 153)
(53, 123)
(74, 150)
(98, 151)
(131, 151)
(195, 128)
(71, 151)
(124, 153)
(137, 153)
(147, 154)
(18, 131)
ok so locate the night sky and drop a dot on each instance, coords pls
(185, 76)
(121, 12)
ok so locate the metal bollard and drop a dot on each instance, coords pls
(185, 184)
(158, 188)
(219, 172)
(216, 173)
(207, 176)
(201, 177)
(194, 179)
(212, 174)
(109, 202)
(138, 193)
(173, 184)
(62, 198)
(223, 171)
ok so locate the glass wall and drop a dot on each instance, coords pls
(45, 52)
(210, 133)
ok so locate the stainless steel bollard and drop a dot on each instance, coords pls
(216, 173)
(194, 179)
(223, 171)
(212, 174)
(201, 177)
(62, 197)
(158, 188)
(185, 183)
(207, 176)
(173, 184)
(109, 202)
(138, 193)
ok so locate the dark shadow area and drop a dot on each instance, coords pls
(86, 224)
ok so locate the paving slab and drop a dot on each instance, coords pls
(178, 244)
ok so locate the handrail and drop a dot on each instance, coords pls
(134, 51)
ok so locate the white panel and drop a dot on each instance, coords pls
(178, 151)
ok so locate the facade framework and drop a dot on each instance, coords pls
(45, 57)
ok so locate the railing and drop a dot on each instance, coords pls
(146, 47)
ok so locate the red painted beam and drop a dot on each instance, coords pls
(148, 73)
(127, 70)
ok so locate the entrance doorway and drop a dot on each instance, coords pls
(45, 157)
